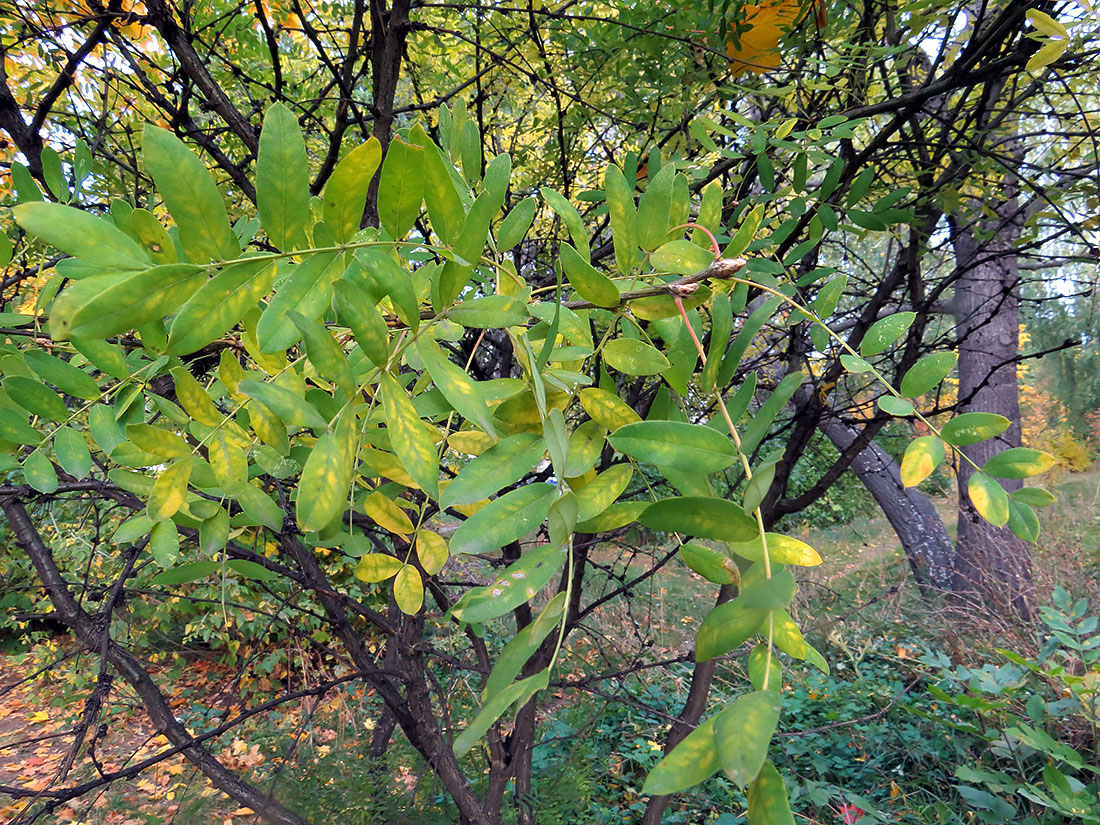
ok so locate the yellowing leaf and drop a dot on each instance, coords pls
(922, 456)
(169, 490)
(387, 514)
(408, 589)
(607, 408)
(756, 47)
(431, 549)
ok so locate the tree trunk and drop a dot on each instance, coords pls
(992, 566)
(916, 522)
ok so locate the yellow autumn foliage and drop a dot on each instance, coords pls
(756, 45)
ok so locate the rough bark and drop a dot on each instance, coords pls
(992, 566)
(916, 522)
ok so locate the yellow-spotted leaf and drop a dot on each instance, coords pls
(193, 398)
(219, 304)
(676, 445)
(282, 181)
(742, 733)
(386, 514)
(410, 440)
(229, 463)
(768, 804)
(326, 476)
(607, 408)
(602, 492)
(505, 463)
(39, 472)
(634, 357)
(157, 441)
(169, 490)
(692, 761)
(510, 517)
(457, 387)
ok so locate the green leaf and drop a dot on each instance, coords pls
(346, 191)
(252, 570)
(26, 189)
(72, 452)
(15, 428)
(377, 567)
(501, 465)
(291, 410)
(620, 207)
(1047, 54)
(702, 516)
(164, 543)
(282, 180)
(589, 283)
(768, 803)
(384, 276)
(922, 457)
(758, 486)
(758, 666)
(927, 373)
(681, 257)
(400, 187)
(218, 305)
(106, 356)
(1034, 496)
(517, 584)
(191, 196)
(692, 761)
(307, 290)
(781, 550)
(410, 439)
(63, 375)
(633, 357)
(214, 532)
(762, 420)
(94, 240)
(326, 477)
(489, 312)
(1022, 520)
(169, 490)
(408, 590)
(681, 446)
(515, 694)
(855, 364)
(893, 405)
(39, 472)
(504, 520)
(712, 565)
(973, 427)
(440, 192)
(743, 731)
(365, 321)
(884, 332)
(601, 492)
(184, 573)
(571, 218)
(989, 499)
(726, 627)
(1019, 462)
(746, 232)
(828, 296)
(259, 507)
(35, 397)
(655, 208)
(324, 353)
(514, 227)
(108, 305)
(767, 592)
(721, 317)
(522, 646)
